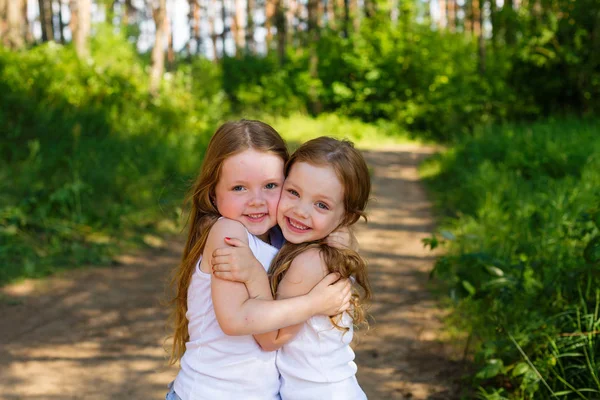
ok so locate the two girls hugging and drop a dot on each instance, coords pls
(243, 333)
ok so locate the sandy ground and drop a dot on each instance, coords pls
(98, 333)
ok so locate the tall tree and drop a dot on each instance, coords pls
(61, 22)
(212, 31)
(237, 27)
(480, 36)
(281, 30)
(194, 25)
(443, 19)
(509, 22)
(159, 14)
(250, 44)
(225, 26)
(331, 4)
(46, 19)
(80, 24)
(27, 33)
(451, 14)
(13, 34)
(290, 18)
(313, 38)
(269, 14)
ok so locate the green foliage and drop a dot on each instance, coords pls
(521, 234)
(87, 155)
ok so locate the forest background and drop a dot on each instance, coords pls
(101, 134)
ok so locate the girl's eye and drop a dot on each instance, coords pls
(238, 188)
(322, 206)
(293, 192)
(271, 185)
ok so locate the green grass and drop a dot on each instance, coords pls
(519, 207)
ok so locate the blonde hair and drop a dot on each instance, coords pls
(351, 169)
(230, 139)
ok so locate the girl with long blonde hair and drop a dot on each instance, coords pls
(236, 195)
(327, 186)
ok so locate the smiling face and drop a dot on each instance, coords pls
(248, 190)
(311, 204)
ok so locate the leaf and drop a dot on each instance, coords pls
(447, 235)
(494, 270)
(520, 369)
(469, 288)
(493, 367)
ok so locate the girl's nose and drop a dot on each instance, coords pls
(257, 199)
(301, 211)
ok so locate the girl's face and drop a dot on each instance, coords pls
(311, 204)
(249, 188)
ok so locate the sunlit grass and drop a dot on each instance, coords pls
(298, 128)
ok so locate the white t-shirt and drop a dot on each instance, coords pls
(216, 366)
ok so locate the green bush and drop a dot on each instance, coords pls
(522, 233)
(87, 155)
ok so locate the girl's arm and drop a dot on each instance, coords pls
(305, 271)
(238, 314)
(236, 262)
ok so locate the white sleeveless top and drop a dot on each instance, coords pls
(318, 363)
(215, 365)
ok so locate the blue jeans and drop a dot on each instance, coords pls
(171, 395)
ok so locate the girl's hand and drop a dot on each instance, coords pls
(342, 238)
(332, 295)
(235, 262)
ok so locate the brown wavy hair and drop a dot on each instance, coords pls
(230, 139)
(351, 169)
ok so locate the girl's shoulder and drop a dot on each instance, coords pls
(309, 263)
(223, 228)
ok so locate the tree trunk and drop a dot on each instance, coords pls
(480, 36)
(290, 17)
(237, 27)
(313, 38)
(281, 30)
(269, 13)
(81, 13)
(354, 15)
(211, 25)
(443, 21)
(346, 28)
(468, 16)
(159, 14)
(46, 19)
(27, 33)
(509, 20)
(225, 27)
(13, 36)
(3, 19)
(61, 22)
(170, 50)
(331, 14)
(451, 14)
(250, 44)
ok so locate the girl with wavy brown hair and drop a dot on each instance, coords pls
(236, 195)
(327, 187)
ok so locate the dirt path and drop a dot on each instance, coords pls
(97, 333)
